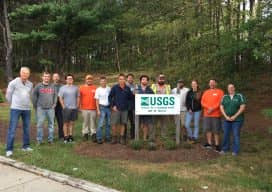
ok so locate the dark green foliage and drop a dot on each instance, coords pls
(188, 39)
(169, 144)
(136, 144)
(2, 99)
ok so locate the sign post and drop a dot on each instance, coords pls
(157, 104)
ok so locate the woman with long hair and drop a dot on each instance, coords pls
(193, 104)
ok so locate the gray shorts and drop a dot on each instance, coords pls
(119, 117)
(212, 124)
(69, 115)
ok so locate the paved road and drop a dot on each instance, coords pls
(16, 180)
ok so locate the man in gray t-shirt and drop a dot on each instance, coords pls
(69, 100)
(44, 98)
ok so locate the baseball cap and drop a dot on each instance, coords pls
(89, 77)
(180, 81)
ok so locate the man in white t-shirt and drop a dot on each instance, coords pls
(182, 91)
(103, 110)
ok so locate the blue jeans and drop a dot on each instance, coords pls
(43, 114)
(235, 127)
(14, 118)
(188, 118)
(104, 114)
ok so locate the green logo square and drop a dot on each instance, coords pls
(144, 101)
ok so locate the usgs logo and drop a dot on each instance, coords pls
(153, 101)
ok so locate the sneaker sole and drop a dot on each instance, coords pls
(206, 147)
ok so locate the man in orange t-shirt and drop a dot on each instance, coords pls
(210, 102)
(88, 108)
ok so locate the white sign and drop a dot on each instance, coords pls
(157, 104)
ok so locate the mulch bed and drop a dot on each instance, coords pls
(19, 132)
(121, 152)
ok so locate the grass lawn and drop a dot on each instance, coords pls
(251, 171)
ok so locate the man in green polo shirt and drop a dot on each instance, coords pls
(232, 107)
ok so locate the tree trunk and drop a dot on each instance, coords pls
(7, 42)
(117, 54)
(252, 10)
(238, 35)
(229, 15)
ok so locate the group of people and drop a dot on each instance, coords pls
(114, 107)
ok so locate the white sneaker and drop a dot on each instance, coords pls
(9, 153)
(234, 154)
(28, 149)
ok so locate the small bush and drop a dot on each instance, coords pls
(267, 113)
(169, 144)
(2, 99)
(136, 144)
(151, 146)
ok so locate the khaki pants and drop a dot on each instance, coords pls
(180, 124)
(180, 120)
(89, 122)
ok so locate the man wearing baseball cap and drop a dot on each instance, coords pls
(182, 91)
(88, 108)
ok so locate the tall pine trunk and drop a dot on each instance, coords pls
(7, 41)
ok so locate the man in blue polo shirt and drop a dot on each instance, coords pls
(232, 107)
(119, 98)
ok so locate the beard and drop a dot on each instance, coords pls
(161, 82)
(181, 86)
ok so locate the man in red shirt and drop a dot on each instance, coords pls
(88, 108)
(210, 102)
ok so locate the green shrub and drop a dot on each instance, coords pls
(151, 146)
(136, 144)
(2, 99)
(267, 113)
(169, 144)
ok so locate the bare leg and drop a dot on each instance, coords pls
(209, 137)
(114, 131)
(65, 129)
(71, 124)
(122, 130)
(217, 139)
(145, 131)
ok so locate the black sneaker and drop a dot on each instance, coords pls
(70, 139)
(207, 146)
(217, 148)
(99, 141)
(94, 138)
